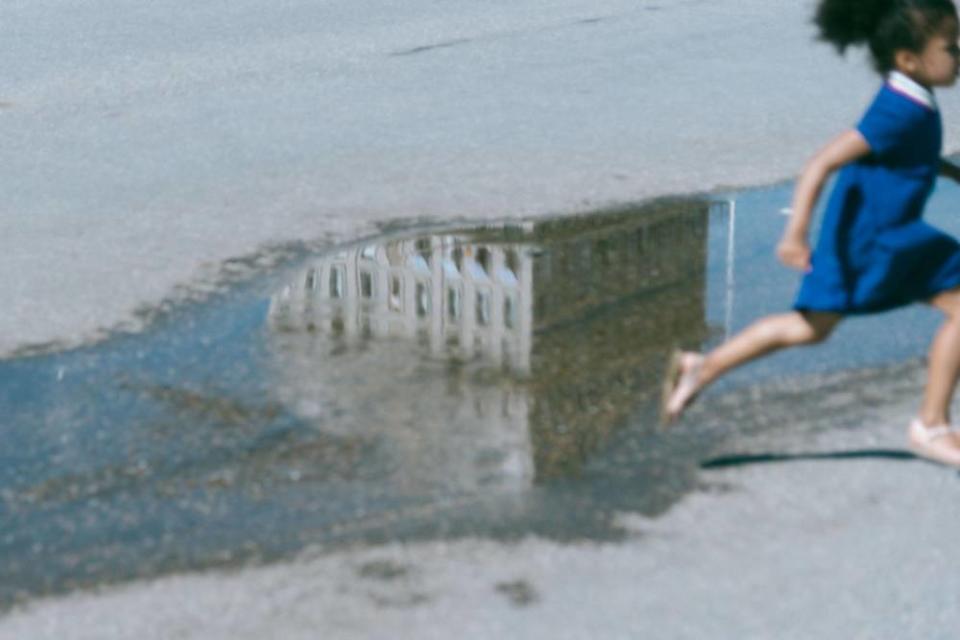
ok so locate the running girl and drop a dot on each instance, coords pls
(874, 252)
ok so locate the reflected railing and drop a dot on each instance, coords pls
(495, 357)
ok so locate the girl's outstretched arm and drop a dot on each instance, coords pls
(794, 248)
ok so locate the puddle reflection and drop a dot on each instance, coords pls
(494, 358)
(465, 382)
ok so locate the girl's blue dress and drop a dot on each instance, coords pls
(874, 252)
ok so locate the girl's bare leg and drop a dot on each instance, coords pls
(943, 365)
(931, 435)
(764, 336)
(767, 335)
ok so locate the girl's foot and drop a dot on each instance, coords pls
(940, 443)
(680, 385)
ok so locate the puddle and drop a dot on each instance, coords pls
(498, 381)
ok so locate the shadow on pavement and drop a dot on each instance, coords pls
(739, 460)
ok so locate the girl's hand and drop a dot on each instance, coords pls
(795, 253)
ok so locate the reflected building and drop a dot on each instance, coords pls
(458, 297)
(497, 357)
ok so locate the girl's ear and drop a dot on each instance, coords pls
(905, 61)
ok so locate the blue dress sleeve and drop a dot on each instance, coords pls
(886, 125)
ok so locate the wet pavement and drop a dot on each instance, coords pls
(497, 381)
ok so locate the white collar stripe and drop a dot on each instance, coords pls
(910, 88)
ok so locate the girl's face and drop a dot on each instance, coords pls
(938, 63)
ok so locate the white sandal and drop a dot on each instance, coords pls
(927, 442)
(680, 384)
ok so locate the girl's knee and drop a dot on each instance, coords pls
(812, 328)
(818, 335)
(792, 329)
